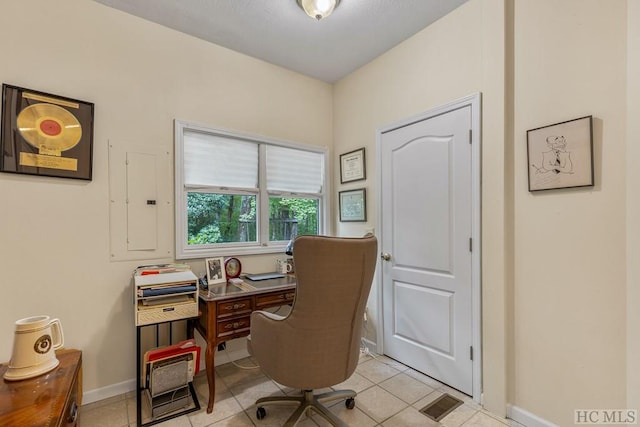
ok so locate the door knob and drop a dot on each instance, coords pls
(385, 256)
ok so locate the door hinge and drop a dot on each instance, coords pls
(471, 352)
(470, 244)
(470, 136)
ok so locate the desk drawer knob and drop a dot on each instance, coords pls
(73, 413)
(235, 306)
(234, 325)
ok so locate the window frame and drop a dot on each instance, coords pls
(263, 245)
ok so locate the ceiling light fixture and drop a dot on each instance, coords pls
(318, 9)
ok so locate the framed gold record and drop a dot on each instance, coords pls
(45, 134)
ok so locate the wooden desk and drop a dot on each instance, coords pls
(49, 400)
(225, 313)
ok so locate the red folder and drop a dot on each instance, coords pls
(186, 346)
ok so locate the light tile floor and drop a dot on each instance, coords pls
(389, 395)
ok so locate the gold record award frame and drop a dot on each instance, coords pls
(46, 135)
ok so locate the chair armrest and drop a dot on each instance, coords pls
(269, 315)
(267, 343)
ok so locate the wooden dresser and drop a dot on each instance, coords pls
(48, 400)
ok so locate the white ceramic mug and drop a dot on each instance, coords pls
(35, 341)
(284, 266)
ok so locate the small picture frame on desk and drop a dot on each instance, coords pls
(215, 270)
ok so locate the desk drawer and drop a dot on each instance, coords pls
(280, 298)
(234, 307)
(72, 407)
(234, 326)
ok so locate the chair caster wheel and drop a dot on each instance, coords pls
(261, 413)
(350, 403)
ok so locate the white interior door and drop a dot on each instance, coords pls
(426, 225)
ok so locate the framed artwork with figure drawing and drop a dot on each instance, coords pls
(561, 155)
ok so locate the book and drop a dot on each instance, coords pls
(171, 299)
(173, 350)
(145, 270)
(166, 290)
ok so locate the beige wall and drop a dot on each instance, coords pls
(569, 288)
(554, 263)
(402, 83)
(54, 233)
(454, 57)
(557, 267)
(633, 205)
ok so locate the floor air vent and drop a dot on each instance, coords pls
(440, 408)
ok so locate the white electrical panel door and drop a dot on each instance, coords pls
(142, 199)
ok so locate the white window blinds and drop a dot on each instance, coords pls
(295, 171)
(220, 161)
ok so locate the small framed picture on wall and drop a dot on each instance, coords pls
(561, 155)
(353, 205)
(352, 166)
(45, 134)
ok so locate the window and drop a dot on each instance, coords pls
(243, 194)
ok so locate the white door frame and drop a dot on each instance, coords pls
(474, 101)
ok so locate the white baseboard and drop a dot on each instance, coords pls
(112, 390)
(526, 418)
(108, 391)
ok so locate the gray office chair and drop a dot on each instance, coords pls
(317, 345)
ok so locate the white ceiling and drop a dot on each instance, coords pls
(279, 32)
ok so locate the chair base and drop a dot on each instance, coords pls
(309, 401)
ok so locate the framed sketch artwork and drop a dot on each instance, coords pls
(561, 155)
